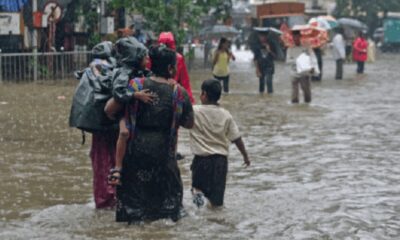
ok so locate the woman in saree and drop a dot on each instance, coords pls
(149, 185)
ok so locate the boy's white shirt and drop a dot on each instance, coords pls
(213, 132)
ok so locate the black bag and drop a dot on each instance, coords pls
(93, 91)
(90, 98)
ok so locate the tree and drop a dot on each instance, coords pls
(174, 15)
(366, 10)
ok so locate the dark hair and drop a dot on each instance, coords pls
(221, 42)
(297, 33)
(161, 58)
(213, 89)
(339, 30)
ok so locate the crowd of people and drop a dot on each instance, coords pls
(134, 155)
(306, 62)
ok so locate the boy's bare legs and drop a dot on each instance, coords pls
(120, 152)
(198, 197)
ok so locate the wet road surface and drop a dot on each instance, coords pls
(328, 170)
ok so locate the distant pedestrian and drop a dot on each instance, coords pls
(213, 131)
(360, 52)
(182, 75)
(265, 67)
(207, 49)
(221, 59)
(299, 76)
(339, 52)
(318, 54)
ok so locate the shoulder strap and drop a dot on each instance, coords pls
(177, 104)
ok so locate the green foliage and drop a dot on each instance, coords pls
(94, 39)
(171, 15)
(178, 16)
(366, 10)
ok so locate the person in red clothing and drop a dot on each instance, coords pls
(360, 49)
(182, 75)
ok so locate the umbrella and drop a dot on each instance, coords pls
(352, 23)
(331, 20)
(310, 36)
(268, 30)
(218, 31)
(325, 22)
(273, 38)
(12, 5)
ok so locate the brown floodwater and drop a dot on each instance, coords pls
(325, 170)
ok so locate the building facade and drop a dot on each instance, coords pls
(313, 7)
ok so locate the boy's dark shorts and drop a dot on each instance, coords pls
(209, 176)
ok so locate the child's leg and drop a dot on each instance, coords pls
(115, 175)
(112, 108)
(121, 143)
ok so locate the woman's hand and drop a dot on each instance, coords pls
(145, 96)
(114, 178)
(232, 56)
(172, 82)
(258, 73)
(268, 47)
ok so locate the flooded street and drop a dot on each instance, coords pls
(328, 170)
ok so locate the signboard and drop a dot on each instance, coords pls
(52, 12)
(10, 22)
(80, 26)
(107, 25)
(274, 10)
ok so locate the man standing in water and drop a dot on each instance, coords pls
(300, 78)
(339, 52)
(264, 61)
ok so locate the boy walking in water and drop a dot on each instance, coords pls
(213, 132)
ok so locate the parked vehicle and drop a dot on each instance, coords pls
(391, 28)
(378, 35)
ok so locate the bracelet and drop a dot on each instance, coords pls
(115, 170)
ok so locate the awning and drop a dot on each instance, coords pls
(12, 5)
(281, 15)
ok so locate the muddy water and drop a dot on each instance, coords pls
(328, 170)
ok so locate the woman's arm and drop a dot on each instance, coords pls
(216, 56)
(187, 117)
(258, 71)
(231, 56)
(113, 107)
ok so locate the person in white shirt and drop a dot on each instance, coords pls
(213, 132)
(301, 78)
(339, 52)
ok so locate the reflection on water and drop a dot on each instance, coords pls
(328, 170)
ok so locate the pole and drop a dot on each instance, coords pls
(62, 63)
(34, 45)
(1, 69)
(101, 13)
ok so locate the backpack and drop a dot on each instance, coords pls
(90, 97)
